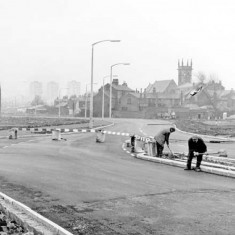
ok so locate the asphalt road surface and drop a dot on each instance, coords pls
(98, 188)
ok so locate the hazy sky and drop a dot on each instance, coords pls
(49, 40)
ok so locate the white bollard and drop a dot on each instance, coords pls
(154, 149)
(56, 135)
(13, 133)
(100, 136)
(151, 148)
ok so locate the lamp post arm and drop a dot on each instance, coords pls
(110, 98)
(107, 40)
(110, 92)
(91, 97)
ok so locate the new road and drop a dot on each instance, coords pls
(105, 190)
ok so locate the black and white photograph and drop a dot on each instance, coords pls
(117, 117)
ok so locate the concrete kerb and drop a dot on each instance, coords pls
(29, 219)
(211, 170)
(207, 136)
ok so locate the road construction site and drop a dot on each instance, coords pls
(82, 167)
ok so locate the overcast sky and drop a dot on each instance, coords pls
(50, 40)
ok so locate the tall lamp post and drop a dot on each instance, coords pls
(86, 99)
(110, 95)
(92, 62)
(103, 98)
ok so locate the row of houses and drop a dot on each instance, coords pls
(164, 98)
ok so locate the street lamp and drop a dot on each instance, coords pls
(92, 61)
(103, 95)
(103, 98)
(86, 100)
(110, 95)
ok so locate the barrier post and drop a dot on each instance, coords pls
(56, 135)
(13, 133)
(100, 136)
(154, 149)
(133, 143)
(151, 148)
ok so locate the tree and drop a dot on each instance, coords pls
(37, 101)
(201, 77)
(212, 80)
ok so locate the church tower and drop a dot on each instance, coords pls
(184, 72)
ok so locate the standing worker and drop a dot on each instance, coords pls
(161, 138)
(196, 147)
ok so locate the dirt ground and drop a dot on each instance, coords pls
(65, 216)
(215, 128)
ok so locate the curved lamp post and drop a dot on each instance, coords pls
(103, 97)
(92, 61)
(110, 95)
(86, 99)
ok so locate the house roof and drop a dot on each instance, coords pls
(151, 96)
(61, 104)
(160, 86)
(137, 95)
(186, 86)
(121, 88)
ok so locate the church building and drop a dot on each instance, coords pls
(184, 73)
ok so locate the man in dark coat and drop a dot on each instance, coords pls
(161, 138)
(196, 147)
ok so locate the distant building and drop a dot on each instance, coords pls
(184, 73)
(74, 88)
(52, 91)
(35, 89)
(163, 86)
(118, 91)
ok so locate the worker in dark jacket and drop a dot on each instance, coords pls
(196, 147)
(161, 138)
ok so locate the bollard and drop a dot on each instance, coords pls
(133, 143)
(128, 143)
(147, 148)
(154, 149)
(151, 148)
(56, 135)
(100, 136)
(13, 133)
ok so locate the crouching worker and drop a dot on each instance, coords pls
(196, 147)
(161, 138)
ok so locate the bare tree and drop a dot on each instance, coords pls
(201, 76)
(213, 77)
(37, 100)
